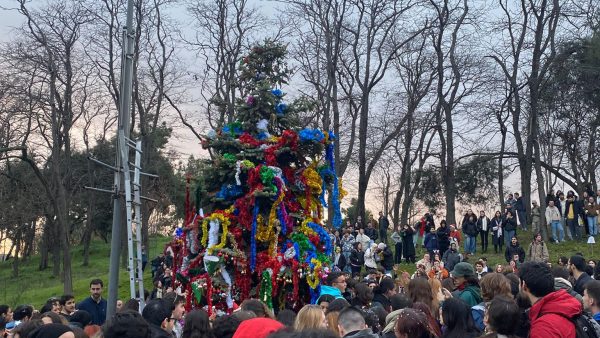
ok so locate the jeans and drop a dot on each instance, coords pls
(557, 227)
(574, 227)
(347, 257)
(593, 228)
(470, 244)
(508, 235)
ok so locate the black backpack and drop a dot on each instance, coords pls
(586, 326)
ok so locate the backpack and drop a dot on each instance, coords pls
(586, 326)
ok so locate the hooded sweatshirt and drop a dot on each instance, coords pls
(561, 283)
(366, 333)
(551, 315)
(330, 290)
(390, 321)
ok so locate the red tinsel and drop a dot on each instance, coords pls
(248, 139)
(270, 156)
(295, 278)
(209, 295)
(244, 215)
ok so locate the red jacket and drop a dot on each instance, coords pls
(549, 316)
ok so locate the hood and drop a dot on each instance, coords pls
(558, 302)
(561, 283)
(390, 320)
(366, 333)
(330, 290)
(475, 292)
(257, 328)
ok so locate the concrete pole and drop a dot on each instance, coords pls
(124, 123)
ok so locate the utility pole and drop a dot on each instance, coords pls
(124, 122)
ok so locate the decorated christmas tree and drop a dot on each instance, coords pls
(256, 229)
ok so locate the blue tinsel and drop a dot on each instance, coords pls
(280, 108)
(282, 221)
(253, 239)
(335, 193)
(229, 192)
(314, 294)
(277, 92)
(324, 236)
(178, 232)
(309, 135)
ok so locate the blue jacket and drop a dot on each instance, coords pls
(96, 310)
(330, 290)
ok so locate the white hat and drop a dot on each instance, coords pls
(381, 246)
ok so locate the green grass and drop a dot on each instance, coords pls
(566, 249)
(33, 286)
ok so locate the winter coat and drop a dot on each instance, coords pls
(364, 240)
(519, 205)
(443, 238)
(341, 261)
(480, 223)
(591, 209)
(538, 252)
(497, 230)
(366, 333)
(456, 235)
(471, 294)
(370, 258)
(347, 243)
(469, 228)
(577, 209)
(509, 224)
(563, 284)
(550, 316)
(372, 233)
(396, 237)
(581, 282)
(387, 259)
(385, 303)
(408, 246)
(330, 291)
(357, 258)
(536, 214)
(450, 259)
(512, 250)
(430, 242)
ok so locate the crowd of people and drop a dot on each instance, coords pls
(367, 294)
(537, 299)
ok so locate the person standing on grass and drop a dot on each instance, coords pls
(497, 232)
(95, 305)
(514, 249)
(384, 224)
(510, 227)
(538, 251)
(553, 219)
(483, 225)
(591, 212)
(536, 215)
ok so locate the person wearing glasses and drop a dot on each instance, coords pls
(157, 315)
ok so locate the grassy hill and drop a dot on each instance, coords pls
(35, 287)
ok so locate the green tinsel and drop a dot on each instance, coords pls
(266, 176)
(229, 157)
(266, 289)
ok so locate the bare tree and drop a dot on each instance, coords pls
(223, 32)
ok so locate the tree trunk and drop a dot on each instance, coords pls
(363, 180)
(89, 224)
(15, 264)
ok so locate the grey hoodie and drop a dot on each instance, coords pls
(563, 284)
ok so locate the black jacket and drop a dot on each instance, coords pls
(519, 205)
(372, 233)
(512, 250)
(357, 258)
(388, 259)
(580, 283)
(470, 228)
(480, 223)
(509, 224)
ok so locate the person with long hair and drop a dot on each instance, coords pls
(197, 325)
(420, 291)
(434, 327)
(438, 296)
(357, 259)
(310, 317)
(502, 317)
(492, 285)
(457, 320)
(412, 323)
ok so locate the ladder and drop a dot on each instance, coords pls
(133, 214)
